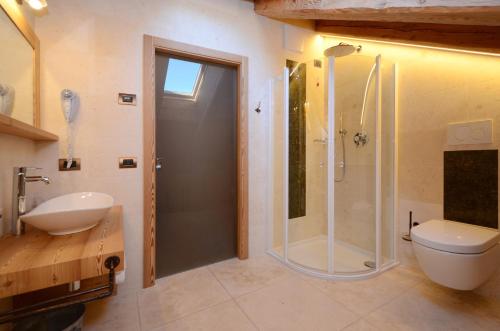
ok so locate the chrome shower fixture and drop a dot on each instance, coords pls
(342, 134)
(360, 139)
(342, 49)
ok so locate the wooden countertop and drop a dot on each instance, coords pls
(37, 260)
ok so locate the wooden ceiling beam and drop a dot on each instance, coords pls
(460, 12)
(467, 37)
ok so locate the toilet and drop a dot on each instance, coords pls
(456, 255)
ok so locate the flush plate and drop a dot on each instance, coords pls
(470, 133)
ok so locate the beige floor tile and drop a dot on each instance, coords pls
(363, 296)
(119, 312)
(483, 309)
(431, 307)
(491, 289)
(293, 304)
(241, 277)
(226, 316)
(124, 324)
(179, 295)
(361, 325)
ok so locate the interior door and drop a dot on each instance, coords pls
(196, 175)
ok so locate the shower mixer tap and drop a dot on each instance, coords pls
(360, 139)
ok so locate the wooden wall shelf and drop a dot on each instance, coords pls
(37, 260)
(9, 125)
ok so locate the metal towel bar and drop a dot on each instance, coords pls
(98, 293)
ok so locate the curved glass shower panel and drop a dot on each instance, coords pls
(388, 72)
(333, 164)
(354, 242)
(276, 232)
(307, 165)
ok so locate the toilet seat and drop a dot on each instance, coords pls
(455, 237)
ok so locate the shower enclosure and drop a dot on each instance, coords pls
(333, 164)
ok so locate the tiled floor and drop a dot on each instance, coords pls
(262, 294)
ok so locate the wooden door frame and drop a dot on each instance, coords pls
(153, 45)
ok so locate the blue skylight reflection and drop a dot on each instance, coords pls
(182, 77)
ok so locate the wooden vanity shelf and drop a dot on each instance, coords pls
(15, 127)
(37, 260)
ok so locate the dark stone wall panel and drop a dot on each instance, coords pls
(297, 140)
(471, 187)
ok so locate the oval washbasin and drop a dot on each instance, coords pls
(70, 213)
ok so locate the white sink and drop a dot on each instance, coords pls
(70, 213)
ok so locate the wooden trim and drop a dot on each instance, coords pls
(9, 125)
(148, 127)
(462, 12)
(466, 37)
(37, 260)
(36, 85)
(13, 11)
(242, 160)
(152, 45)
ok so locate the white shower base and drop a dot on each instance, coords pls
(313, 253)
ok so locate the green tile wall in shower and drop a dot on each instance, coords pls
(297, 140)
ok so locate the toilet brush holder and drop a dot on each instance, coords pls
(407, 236)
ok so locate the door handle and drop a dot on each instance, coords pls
(159, 161)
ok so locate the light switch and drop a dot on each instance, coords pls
(127, 99)
(127, 162)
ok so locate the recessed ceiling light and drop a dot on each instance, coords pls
(35, 4)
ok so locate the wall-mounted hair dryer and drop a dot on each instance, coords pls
(7, 95)
(70, 104)
(69, 101)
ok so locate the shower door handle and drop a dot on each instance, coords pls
(159, 161)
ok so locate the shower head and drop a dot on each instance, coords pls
(341, 49)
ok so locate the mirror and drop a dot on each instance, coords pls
(18, 66)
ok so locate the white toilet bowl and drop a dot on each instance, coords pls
(457, 255)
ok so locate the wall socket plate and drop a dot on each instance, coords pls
(127, 162)
(75, 165)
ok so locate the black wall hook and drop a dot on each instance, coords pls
(258, 110)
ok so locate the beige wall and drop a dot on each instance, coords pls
(95, 48)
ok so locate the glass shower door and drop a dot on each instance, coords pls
(334, 165)
(355, 172)
(276, 196)
(306, 165)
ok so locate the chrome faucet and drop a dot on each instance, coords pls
(19, 181)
